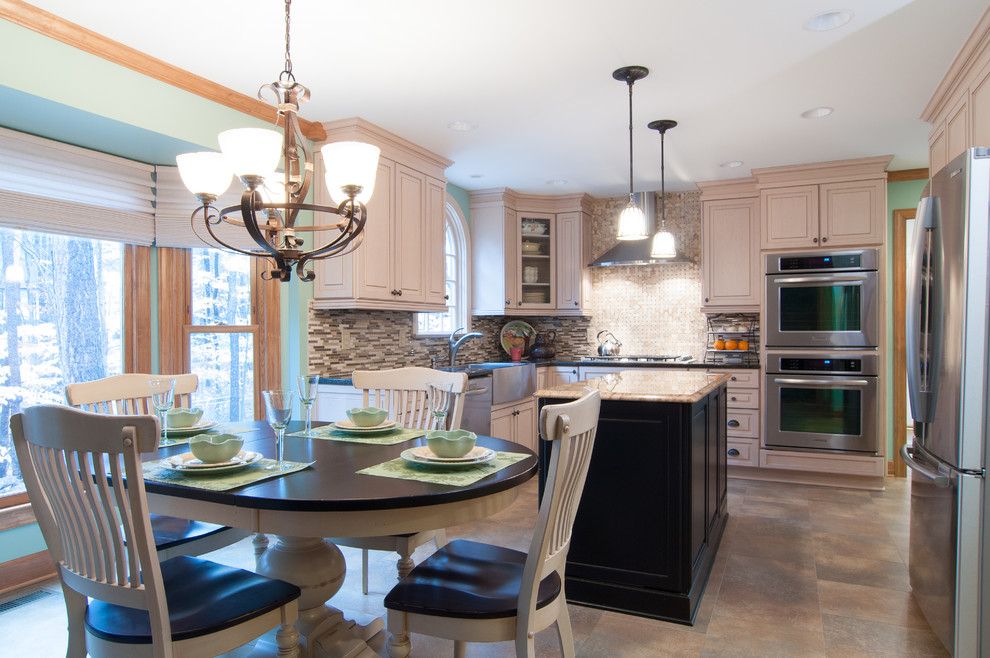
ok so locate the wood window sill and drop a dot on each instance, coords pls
(16, 516)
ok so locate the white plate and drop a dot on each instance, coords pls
(198, 428)
(423, 456)
(348, 426)
(187, 463)
(377, 429)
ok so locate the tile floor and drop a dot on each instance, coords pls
(802, 571)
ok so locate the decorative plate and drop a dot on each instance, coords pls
(412, 457)
(519, 332)
(477, 455)
(198, 428)
(349, 428)
(187, 463)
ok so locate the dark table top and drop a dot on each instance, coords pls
(332, 484)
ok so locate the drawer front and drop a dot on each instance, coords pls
(743, 452)
(746, 398)
(741, 378)
(743, 422)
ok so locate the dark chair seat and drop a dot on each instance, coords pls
(203, 597)
(468, 580)
(170, 531)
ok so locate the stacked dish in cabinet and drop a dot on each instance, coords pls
(742, 416)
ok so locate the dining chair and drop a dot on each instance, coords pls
(84, 478)
(404, 393)
(473, 592)
(130, 394)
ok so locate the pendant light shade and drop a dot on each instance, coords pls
(204, 172)
(251, 151)
(350, 164)
(632, 223)
(663, 245)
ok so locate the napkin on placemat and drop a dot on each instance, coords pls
(462, 477)
(155, 471)
(327, 432)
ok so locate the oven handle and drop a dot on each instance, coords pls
(854, 279)
(838, 382)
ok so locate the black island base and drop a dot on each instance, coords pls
(654, 505)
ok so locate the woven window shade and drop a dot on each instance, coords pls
(57, 188)
(174, 205)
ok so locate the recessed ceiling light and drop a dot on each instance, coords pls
(557, 182)
(732, 164)
(462, 126)
(477, 175)
(818, 112)
(828, 20)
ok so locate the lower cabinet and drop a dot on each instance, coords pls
(516, 422)
(742, 417)
(333, 401)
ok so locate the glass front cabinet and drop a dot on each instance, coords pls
(535, 259)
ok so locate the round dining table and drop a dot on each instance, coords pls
(330, 499)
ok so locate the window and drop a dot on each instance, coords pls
(61, 321)
(456, 282)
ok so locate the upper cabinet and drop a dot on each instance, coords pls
(530, 253)
(400, 262)
(730, 216)
(829, 204)
(959, 110)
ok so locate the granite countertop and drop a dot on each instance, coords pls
(638, 386)
(584, 361)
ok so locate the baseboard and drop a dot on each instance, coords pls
(869, 483)
(27, 570)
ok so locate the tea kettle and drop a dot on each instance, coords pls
(609, 346)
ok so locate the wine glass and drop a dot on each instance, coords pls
(278, 412)
(162, 398)
(308, 386)
(439, 405)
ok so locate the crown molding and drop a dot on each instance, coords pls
(823, 172)
(393, 146)
(732, 188)
(518, 201)
(969, 53)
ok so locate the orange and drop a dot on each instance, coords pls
(744, 344)
(720, 344)
(731, 344)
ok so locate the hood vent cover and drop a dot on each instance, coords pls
(636, 252)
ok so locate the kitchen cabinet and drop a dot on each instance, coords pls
(789, 217)
(732, 276)
(517, 423)
(400, 262)
(742, 420)
(534, 251)
(333, 401)
(842, 214)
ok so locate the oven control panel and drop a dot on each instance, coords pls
(861, 363)
(818, 263)
(821, 365)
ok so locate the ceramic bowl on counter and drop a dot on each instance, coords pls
(367, 416)
(181, 417)
(450, 443)
(215, 448)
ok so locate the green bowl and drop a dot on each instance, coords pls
(215, 448)
(450, 443)
(181, 417)
(367, 416)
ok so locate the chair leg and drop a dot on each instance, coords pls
(75, 611)
(565, 633)
(405, 563)
(460, 649)
(260, 543)
(287, 639)
(398, 634)
(440, 538)
(364, 570)
(525, 646)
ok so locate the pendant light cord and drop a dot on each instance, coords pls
(630, 82)
(663, 187)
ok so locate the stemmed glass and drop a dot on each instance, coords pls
(439, 404)
(162, 398)
(278, 411)
(308, 385)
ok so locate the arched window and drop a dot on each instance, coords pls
(457, 285)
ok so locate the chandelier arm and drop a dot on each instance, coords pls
(294, 147)
(248, 205)
(354, 228)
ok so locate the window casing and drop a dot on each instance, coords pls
(457, 282)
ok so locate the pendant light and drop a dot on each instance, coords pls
(663, 245)
(632, 221)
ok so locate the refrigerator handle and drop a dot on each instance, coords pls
(921, 318)
(937, 478)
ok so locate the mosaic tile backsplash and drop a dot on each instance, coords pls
(651, 309)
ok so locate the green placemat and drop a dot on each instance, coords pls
(403, 470)
(222, 428)
(327, 432)
(155, 472)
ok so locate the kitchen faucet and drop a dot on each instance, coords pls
(455, 342)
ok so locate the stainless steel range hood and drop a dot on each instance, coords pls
(637, 252)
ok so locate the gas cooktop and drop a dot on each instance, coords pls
(651, 358)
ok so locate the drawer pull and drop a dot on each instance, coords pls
(733, 423)
(733, 452)
(733, 378)
(733, 398)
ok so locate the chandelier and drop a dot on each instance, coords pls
(271, 200)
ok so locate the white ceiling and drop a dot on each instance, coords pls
(535, 76)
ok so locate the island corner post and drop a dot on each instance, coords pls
(654, 506)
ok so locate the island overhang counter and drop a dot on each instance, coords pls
(654, 504)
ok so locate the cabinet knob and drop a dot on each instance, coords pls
(733, 423)
(733, 452)
(824, 240)
(706, 300)
(732, 378)
(733, 398)
(446, 297)
(573, 372)
(519, 303)
(508, 302)
(399, 292)
(575, 303)
(815, 240)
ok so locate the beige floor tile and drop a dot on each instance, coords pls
(864, 602)
(863, 571)
(832, 543)
(625, 635)
(769, 592)
(730, 635)
(846, 636)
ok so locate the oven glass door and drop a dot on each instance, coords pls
(833, 310)
(822, 412)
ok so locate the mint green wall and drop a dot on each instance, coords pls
(463, 199)
(18, 542)
(899, 195)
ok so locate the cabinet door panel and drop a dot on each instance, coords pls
(789, 217)
(979, 112)
(537, 277)
(375, 262)
(410, 232)
(957, 128)
(853, 213)
(731, 233)
(570, 268)
(433, 245)
(502, 424)
(511, 261)
(525, 429)
(936, 152)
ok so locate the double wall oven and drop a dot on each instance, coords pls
(823, 328)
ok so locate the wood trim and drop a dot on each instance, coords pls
(174, 309)
(13, 499)
(907, 174)
(977, 41)
(137, 309)
(16, 516)
(220, 329)
(27, 570)
(733, 188)
(266, 314)
(900, 341)
(52, 26)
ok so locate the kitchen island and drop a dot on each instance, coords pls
(654, 504)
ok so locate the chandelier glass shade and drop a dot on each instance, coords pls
(276, 170)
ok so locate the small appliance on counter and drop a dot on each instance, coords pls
(608, 346)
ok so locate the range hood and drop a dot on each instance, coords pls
(636, 252)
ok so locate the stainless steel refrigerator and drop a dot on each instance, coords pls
(947, 365)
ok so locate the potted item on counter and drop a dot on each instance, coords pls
(543, 345)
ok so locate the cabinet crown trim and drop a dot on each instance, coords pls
(977, 43)
(734, 188)
(823, 172)
(504, 196)
(393, 146)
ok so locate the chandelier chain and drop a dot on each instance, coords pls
(287, 71)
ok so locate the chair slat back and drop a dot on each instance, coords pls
(571, 428)
(128, 394)
(405, 393)
(98, 531)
